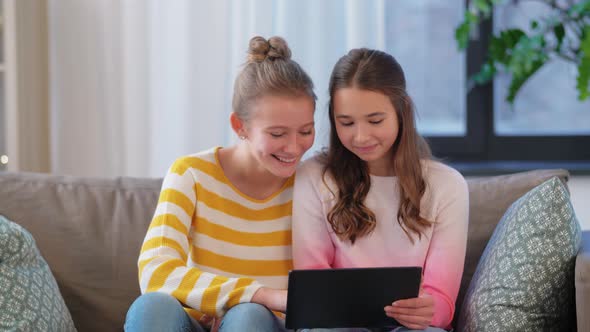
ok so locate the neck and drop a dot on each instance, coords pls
(381, 168)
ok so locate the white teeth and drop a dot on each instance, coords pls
(286, 160)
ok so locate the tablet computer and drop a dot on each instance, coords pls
(351, 297)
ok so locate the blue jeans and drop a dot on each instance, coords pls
(163, 313)
(397, 329)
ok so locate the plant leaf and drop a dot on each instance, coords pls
(463, 30)
(501, 46)
(585, 42)
(518, 80)
(580, 8)
(462, 35)
(583, 78)
(485, 74)
(500, 52)
(524, 59)
(525, 54)
(559, 32)
(483, 6)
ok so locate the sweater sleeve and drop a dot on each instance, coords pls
(163, 261)
(446, 255)
(312, 245)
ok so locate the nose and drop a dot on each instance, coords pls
(292, 145)
(360, 134)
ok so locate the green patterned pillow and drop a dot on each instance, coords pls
(525, 278)
(29, 296)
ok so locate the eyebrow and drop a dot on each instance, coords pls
(374, 114)
(284, 127)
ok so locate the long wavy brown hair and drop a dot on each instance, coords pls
(379, 72)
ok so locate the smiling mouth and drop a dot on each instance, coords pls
(285, 160)
(366, 148)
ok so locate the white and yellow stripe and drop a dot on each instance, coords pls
(209, 245)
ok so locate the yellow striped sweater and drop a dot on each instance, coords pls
(211, 246)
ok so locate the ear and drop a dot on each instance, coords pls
(237, 124)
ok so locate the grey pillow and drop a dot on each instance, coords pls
(29, 296)
(524, 280)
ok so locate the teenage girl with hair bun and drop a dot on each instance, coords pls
(218, 250)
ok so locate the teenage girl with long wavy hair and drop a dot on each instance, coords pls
(377, 198)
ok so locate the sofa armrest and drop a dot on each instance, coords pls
(583, 284)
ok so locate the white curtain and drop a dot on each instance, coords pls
(136, 83)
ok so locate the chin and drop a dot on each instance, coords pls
(284, 173)
(371, 157)
(365, 158)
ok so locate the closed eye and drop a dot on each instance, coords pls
(306, 133)
(376, 121)
(276, 135)
(346, 124)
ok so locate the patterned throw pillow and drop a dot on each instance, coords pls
(525, 278)
(29, 296)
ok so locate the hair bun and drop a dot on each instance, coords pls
(275, 48)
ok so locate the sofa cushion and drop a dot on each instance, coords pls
(489, 197)
(90, 231)
(525, 278)
(29, 297)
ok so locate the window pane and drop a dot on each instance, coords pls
(420, 34)
(547, 104)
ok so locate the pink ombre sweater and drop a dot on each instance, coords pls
(441, 252)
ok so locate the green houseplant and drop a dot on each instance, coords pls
(563, 33)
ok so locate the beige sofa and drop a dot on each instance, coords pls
(90, 231)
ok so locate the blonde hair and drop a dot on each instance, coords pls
(269, 70)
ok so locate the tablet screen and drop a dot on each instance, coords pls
(352, 297)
